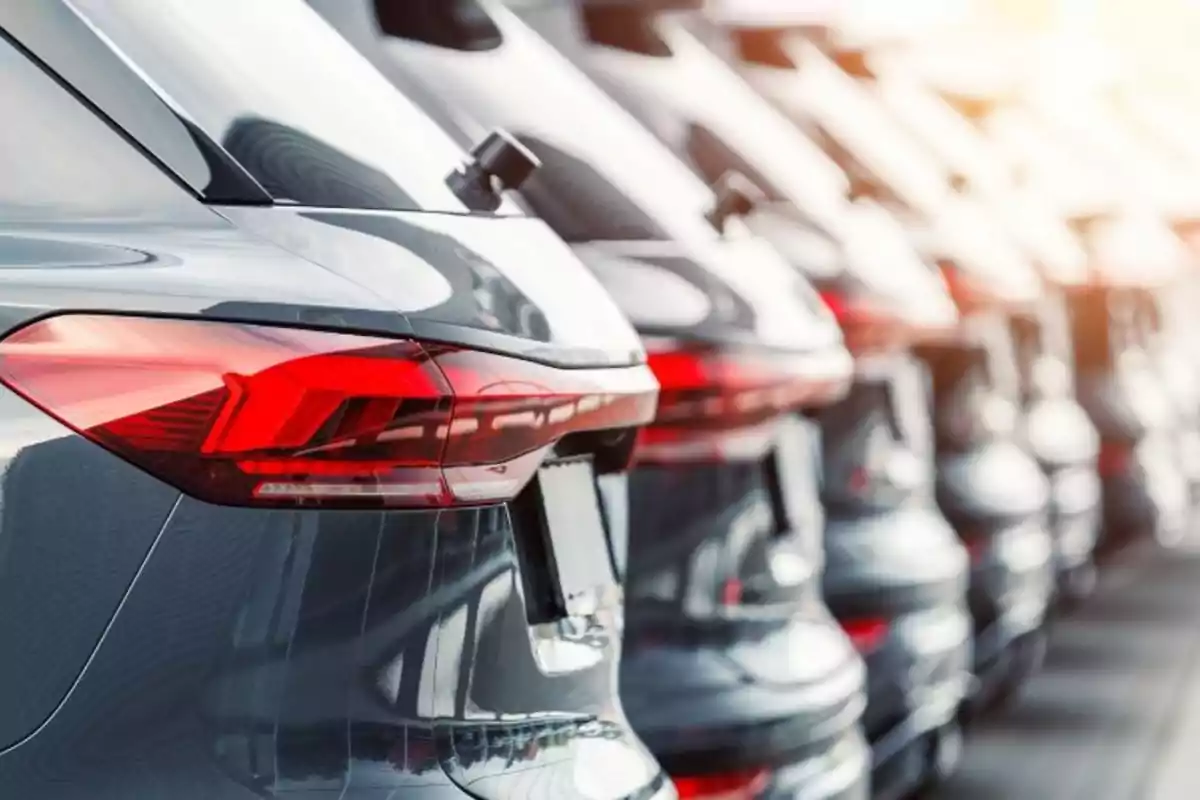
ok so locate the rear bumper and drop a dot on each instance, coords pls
(1012, 584)
(1151, 498)
(735, 728)
(841, 772)
(1075, 538)
(917, 679)
(915, 757)
(909, 568)
(1074, 515)
(907, 724)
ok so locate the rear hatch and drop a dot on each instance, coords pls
(336, 620)
(723, 550)
(984, 472)
(889, 548)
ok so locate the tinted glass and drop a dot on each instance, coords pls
(58, 158)
(291, 100)
(712, 158)
(580, 204)
(459, 24)
(853, 118)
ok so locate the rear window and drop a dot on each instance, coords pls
(712, 158)
(59, 159)
(580, 204)
(852, 117)
(457, 24)
(306, 115)
(624, 27)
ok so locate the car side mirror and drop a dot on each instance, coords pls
(736, 196)
(499, 163)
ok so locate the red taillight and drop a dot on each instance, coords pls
(866, 329)
(724, 786)
(977, 548)
(718, 405)
(967, 292)
(1114, 459)
(252, 415)
(866, 634)
(974, 292)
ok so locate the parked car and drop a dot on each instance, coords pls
(895, 572)
(1087, 117)
(312, 473)
(733, 671)
(989, 486)
(1052, 422)
(1134, 256)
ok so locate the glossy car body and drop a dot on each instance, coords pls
(990, 276)
(1146, 175)
(1145, 491)
(896, 573)
(1132, 253)
(1054, 425)
(158, 645)
(1064, 441)
(918, 673)
(995, 496)
(1169, 331)
(732, 669)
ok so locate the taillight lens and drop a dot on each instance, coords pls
(244, 414)
(723, 786)
(867, 635)
(968, 292)
(1115, 459)
(719, 405)
(977, 548)
(866, 330)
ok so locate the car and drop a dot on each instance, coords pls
(1006, 531)
(1055, 426)
(733, 671)
(313, 471)
(1136, 259)
(1088, 117)
(895, 573)
(989, 484)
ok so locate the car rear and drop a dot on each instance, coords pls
(1064, 440)
(1133, 255)
(991, 279)
(732, 671)
(333, 522)
(996, 496)
(1052, 422)
(904, 612)
(896, 574)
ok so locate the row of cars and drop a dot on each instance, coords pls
(549, 400)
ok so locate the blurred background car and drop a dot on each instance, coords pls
(894, 570)
(1136, 261)
(1053, 424)
(733, 671)
(989, 486)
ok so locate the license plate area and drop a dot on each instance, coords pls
(793, 471)
(562, 542)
